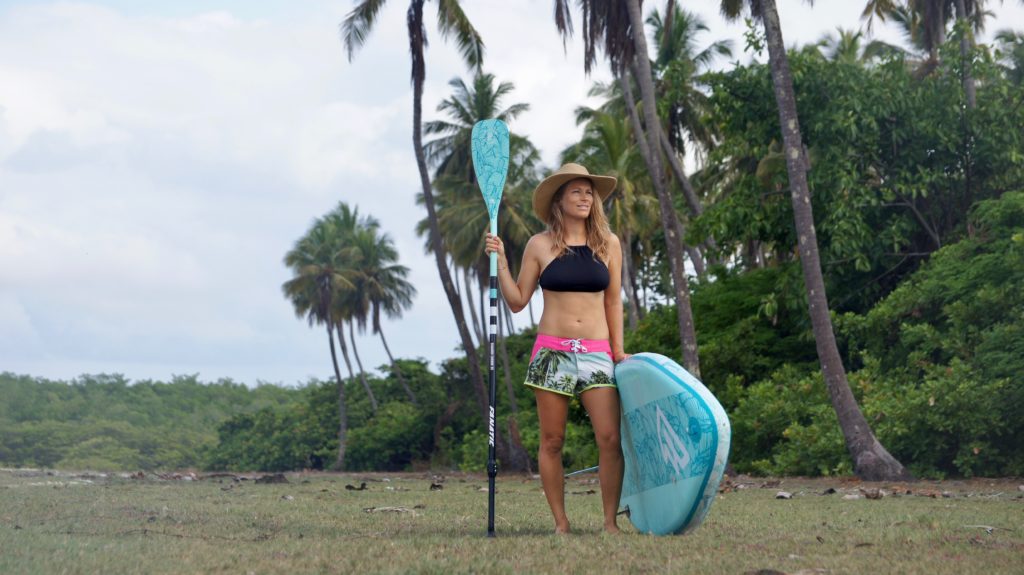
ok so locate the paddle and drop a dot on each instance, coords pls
(582, 471)
(490, 161)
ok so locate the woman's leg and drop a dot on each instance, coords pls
(602, 404)
(552, 410)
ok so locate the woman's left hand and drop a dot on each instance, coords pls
(621, 357)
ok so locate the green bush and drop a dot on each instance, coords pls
(748, 325)
(943, 355)
(786, 425)
(954, 421)
(392, 439)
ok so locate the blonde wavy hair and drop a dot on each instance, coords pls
(598, 230)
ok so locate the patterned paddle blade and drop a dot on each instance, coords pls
(490, 161)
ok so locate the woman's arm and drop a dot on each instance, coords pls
(613, 300)
(516, 292)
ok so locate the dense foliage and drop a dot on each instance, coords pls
(107, 422)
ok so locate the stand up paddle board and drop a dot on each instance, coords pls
(675, 439)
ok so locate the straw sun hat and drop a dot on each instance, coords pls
(545, 191)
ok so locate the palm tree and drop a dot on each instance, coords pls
(615, 25)
(452, 22)
(451, 151)
(677, 70)
(870, 459)
(1012, 51)
(544, 364)
(462, 217)
(379, 285)
(318, 275)
(345, 221)
(678, 65)
(924, 22)
(848, 47)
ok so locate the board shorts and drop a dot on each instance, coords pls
(570, 366)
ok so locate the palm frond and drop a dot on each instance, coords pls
(451, 20)
(356, 27)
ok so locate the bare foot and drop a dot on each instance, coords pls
(562, 529)
(612, 529)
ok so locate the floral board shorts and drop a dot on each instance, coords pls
(570, 366)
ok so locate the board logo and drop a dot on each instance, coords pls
(673, 450)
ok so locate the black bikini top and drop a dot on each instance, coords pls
(577, 270)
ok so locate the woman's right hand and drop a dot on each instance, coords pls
(493, 244)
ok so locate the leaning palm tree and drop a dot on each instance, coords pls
(344, 221)
(618, 28)
(379, 285)
(318, 274)
(870, 459)
(452, 22)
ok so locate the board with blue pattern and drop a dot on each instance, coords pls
(675, 440)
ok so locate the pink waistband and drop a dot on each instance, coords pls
(570, 344)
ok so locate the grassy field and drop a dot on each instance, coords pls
(57, 522)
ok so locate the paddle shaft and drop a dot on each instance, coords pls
(582, 471)
(492, 380)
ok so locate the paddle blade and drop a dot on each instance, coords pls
(490, 161)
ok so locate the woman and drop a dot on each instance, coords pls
(578, 263)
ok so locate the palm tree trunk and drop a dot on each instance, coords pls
(635, 289)
(871, 461)
(359, 363)
(970, 94)
(472, 306)
(965, 55)
(529, 306)
(396, 368)
(700, 266)
(677, 170)
(344, 350)
(482, 296)
(634, 119)
(348, 363)
(673, 241)
(339, 463)
(518, 458)
(643, 285)
(632, 305)
(416, 45)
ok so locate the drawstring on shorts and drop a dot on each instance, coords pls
(575, 345)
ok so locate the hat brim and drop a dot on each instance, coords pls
(544, 193)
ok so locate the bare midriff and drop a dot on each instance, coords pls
(577, 315)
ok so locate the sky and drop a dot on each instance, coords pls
(157, 160)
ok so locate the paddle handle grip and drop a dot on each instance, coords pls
(494, 255)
